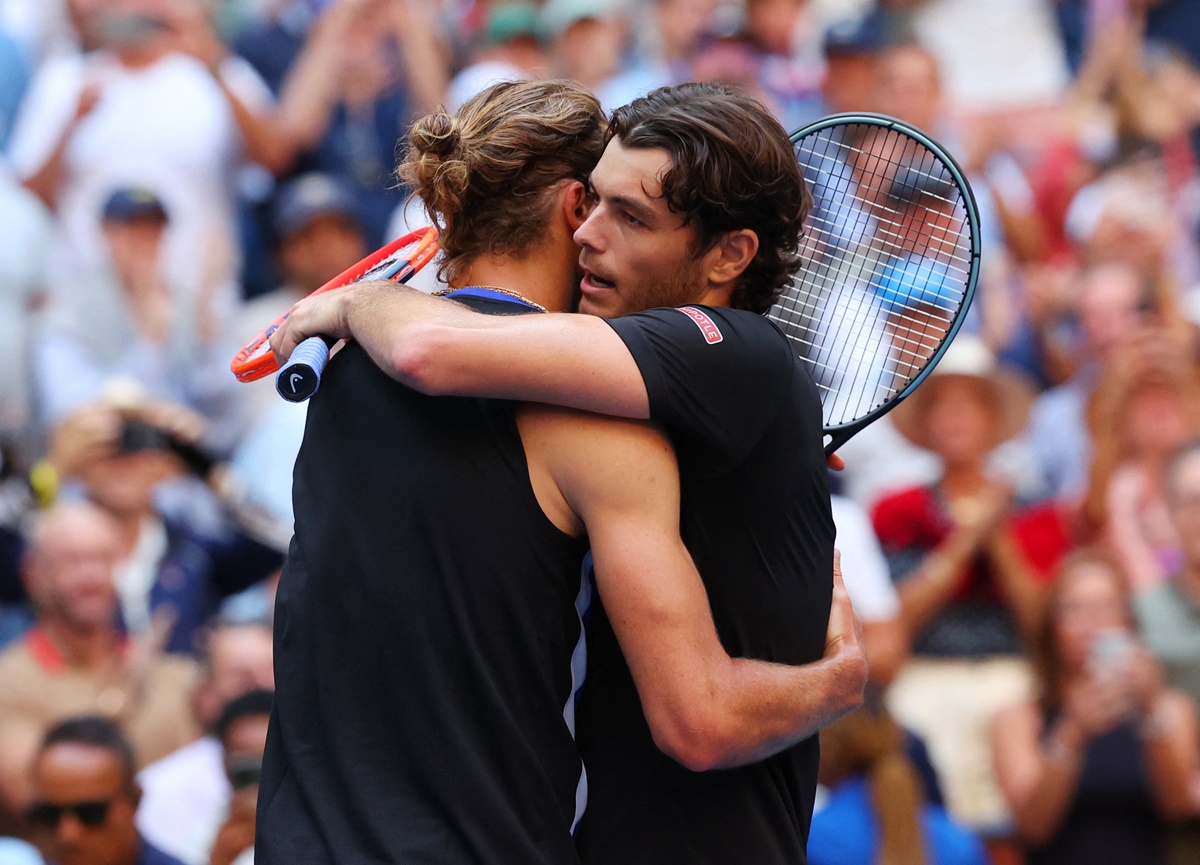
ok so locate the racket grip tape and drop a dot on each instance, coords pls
(301, 376)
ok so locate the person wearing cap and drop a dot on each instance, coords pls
(142, 319)
(320, 234)
(585, 38)
(852, 47)
(667, 35)
(968, 595)
(510, 48)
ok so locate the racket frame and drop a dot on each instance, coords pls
(247, 366)
(841, 433)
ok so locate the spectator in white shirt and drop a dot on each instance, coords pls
(186, 795)
(158, 103)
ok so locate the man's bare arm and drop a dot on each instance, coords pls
(705, 709)
(442, 348)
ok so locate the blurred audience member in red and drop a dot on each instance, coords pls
(967, 593)
(75, 661)
(1095, 767)
(187, 794)
(85, 797)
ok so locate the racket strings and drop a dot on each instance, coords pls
(886, 265)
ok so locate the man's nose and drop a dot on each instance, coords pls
(70, 829)
(588, 234)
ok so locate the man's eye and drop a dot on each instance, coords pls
(632, 220)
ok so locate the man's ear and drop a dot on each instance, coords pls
(577, 204)
(730, 256)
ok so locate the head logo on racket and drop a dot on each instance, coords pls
(708, 327)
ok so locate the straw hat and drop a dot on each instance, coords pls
(968, 359)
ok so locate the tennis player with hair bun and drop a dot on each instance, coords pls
(429, 628)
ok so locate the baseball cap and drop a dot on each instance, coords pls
(511, 20)
(558, 15)
(309, 197)
(131, 203)
(862, 34)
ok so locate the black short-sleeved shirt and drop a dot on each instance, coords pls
(745, 419)
(426, 623)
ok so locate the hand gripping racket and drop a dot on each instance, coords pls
(890, 255)
(299, 380)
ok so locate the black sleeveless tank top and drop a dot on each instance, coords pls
(428, 646)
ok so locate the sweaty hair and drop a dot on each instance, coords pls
(486, 172)
(733, 168)
(94, 730)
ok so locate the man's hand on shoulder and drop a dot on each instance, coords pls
(323, 315)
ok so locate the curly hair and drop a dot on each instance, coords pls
(733, 168)
(484, 173)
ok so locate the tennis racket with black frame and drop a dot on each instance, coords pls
(300, 378)
(889, 265)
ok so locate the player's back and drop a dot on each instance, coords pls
(425, 626)
(745, 419)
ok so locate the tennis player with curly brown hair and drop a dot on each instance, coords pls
(429, 627)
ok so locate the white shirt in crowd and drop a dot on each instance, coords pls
(864, 569)
(185, 799)
(167, 127)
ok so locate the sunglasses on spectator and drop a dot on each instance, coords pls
(243, 770)
(47, 815)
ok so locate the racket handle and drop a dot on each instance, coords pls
(301, 376)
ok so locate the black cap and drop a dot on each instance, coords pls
(863, 34)
(131, 203)
(311, 196)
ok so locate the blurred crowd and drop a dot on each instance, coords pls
(1021, 538)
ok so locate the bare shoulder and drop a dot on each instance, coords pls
(580, 431)
(596, 460)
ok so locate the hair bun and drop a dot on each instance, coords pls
(437, 135)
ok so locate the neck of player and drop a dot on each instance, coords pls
(539, 278)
